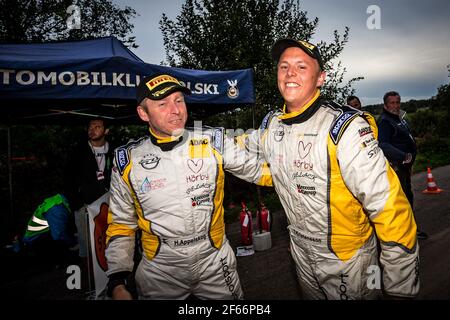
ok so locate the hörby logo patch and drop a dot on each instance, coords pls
(197, 177)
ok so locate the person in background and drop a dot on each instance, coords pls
(353, 101)
(398, 144)
(87, 176)
(170, 186)
(336, 187)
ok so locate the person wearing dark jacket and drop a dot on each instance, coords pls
(398, 144)
(87, 176)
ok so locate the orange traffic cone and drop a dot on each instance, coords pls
(431, 185)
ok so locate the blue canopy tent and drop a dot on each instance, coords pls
(99, 77)
(63, 82)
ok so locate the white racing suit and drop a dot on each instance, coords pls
(340, 193)
(173, 191)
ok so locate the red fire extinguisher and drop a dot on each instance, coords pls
(245, 218)
(264, 221)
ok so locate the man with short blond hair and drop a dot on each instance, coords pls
(337, 189)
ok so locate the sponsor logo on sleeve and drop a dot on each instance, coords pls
(218, 140)
(122, 159)
(340, 125)
(363, 131)
(368, 142)
(373, 152)
(265, 121)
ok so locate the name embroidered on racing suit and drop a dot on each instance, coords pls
(186, 242)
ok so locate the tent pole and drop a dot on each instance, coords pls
(11, 198)
(253, 115)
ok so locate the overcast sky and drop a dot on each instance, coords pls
(409, 53)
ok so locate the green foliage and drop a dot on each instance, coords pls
(225, 35)
(433, 152)
(443, 97)
(43, 21)
(424, 123)
(39, 154)
(374, 109)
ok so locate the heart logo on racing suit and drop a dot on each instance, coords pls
(303, 150)
(195, 166)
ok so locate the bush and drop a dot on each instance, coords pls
(432, 153)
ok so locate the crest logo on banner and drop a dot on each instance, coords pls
(233, 91)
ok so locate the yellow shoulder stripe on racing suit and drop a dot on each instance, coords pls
(372, 122)
(217, 227)
(342, 202)
(288, 115)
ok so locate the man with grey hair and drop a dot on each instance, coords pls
(398, 144)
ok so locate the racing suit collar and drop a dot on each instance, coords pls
(300, 116)
(166, 144)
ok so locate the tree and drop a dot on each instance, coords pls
(224, 35)
(43, 21)
(443, 95)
